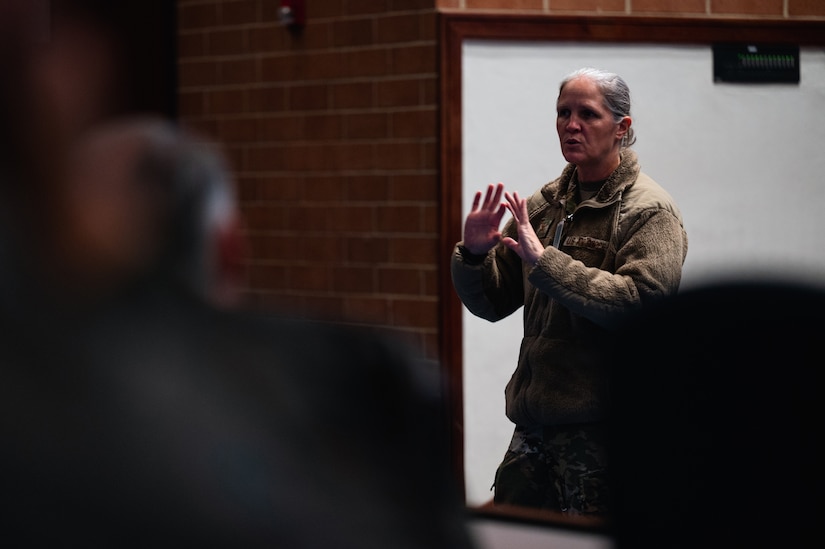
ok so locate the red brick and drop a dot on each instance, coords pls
(282, 68)
(280, 128)
(325, 9)
(352, 95)
(366, 188)
(324, 65)
(429, 154)
(367, 309)
(409, 5)
(414, 249)
(421, 312)
(265, 158)
(430, 222)
(510, 4)
(238, 130)
(350, 156)
(352, 32)
(417, 123)
(354, 280)
(323, 188)
(282, 189)
(367, 62)
(367, 125)
(237, 12)
(225, 101)
(310, 277)
(238, 71)
(271, 98)
(747, 7)
(338, 218)
(414, 59)
(308, 97)
(399, 92)
(414, 187)
(431, 281)
(226, 42)
(589, 5)
(366, 249)
(317, 35)
(671, 6)
(266, 276)
(398, 28)
(267, 38)
(430, 92)
(806, 8)
(398, 155)
(360, 7)
(399, 219)
(399, 281)
(263, 216)
(323, 249)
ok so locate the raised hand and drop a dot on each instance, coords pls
(528, 246)
(481, 228)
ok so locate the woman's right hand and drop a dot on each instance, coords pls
(481, 228)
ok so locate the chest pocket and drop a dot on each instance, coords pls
(587, 249)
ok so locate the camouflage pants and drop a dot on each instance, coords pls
(560, 468)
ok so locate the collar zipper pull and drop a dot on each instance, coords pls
(559, 227)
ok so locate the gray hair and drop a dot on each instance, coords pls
(615, 92)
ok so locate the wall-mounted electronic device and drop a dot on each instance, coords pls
(756, 63)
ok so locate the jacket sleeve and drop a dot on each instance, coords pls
(491, 286)
(648, 267)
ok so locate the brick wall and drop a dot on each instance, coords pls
(332, 132)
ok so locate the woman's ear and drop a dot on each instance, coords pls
(624, 125)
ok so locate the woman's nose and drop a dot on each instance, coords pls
(572, 123)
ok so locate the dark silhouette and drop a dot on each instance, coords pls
(717, 420)
(140, 408)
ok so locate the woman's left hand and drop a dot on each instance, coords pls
(528, 246)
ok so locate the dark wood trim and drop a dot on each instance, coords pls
(454, 28)
(450, 329)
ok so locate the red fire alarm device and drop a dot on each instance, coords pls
(292, 13)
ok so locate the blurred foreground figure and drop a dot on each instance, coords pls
(146, 201)
(140, 408)
(716, 427)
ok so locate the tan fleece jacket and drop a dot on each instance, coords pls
(618, 251)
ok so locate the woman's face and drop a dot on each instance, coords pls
(588, 135)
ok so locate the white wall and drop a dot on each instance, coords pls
(744, 162)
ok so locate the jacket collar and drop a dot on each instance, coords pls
(621, 178)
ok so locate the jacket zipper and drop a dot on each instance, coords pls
(559, 227)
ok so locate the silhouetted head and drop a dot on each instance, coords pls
(144, 199)
(717, 419)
